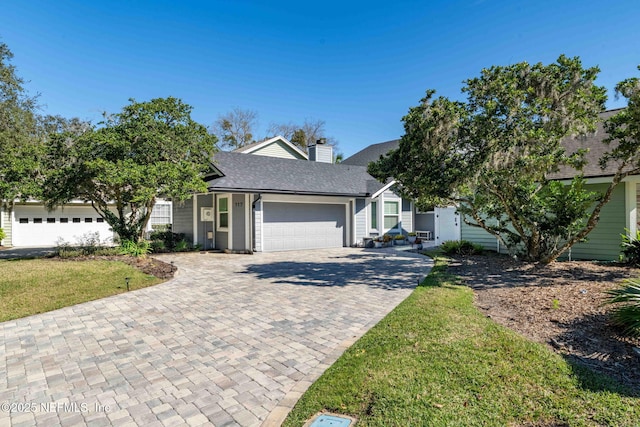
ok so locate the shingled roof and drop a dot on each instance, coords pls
(593, 142)
(597, 148)
(262, 174)
(372, 153)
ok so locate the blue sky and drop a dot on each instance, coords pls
(357, 65)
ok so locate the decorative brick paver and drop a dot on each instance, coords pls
(231, 340)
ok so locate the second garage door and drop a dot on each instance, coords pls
(290, 226)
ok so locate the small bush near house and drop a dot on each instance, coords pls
(138, 249)
(627, 313)
(631, 248)
(461, 247)
(182, 246)
(3, 235)
(88, 244)
(168, 239)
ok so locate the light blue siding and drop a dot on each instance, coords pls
(183, 218)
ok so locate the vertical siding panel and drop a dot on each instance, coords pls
(361, 220)
(406, 217)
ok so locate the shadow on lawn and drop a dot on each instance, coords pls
(590, 343)
(382, 271)
(497, 271)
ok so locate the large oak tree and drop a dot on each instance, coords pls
(20, 136)
(494, 154)
(148, 150)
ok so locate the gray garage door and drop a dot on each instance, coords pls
(289, 226)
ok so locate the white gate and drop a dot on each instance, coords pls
(447, 224)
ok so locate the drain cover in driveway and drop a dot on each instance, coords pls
(331, 420)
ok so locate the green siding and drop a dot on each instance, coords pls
(278, 149)
(478, 235)
(603, 241)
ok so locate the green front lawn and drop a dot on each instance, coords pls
(38, 285)
(437, 361)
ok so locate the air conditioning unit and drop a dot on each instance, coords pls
(206, 214)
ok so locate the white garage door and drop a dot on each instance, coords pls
(34, 226)
(290, 226)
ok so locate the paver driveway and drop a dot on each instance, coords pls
(232, 340)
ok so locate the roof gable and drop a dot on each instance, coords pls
(278, 146)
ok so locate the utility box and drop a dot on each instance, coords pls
(206, 214)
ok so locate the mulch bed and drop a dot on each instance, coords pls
(147, 265)
(561, 305)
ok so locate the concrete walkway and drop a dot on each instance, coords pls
(232, 340)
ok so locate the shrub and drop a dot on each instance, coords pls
(399, 237)
(138, 249)
(631, 248)
(461, 247)
(627, 314)
(169, 240)
(182, 246)
(3, 235)
(158, 246)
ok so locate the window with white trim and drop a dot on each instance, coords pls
(391, 215)
(374, 215)
(223, 214)
(160, 214)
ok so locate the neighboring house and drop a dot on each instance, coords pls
(31, 224)
(270, 196)
(620, 214)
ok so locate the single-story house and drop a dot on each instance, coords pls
(617, 216)
(271, 196)
(31, 224)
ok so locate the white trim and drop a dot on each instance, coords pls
(261, 225)
(271, 141)
(631, 207)
(347, 234)
(247, 224)
(383, 189)
(604, 179)
(285, 198)
(369, 217)
(354, 238)
(228, 212)
(398, 215)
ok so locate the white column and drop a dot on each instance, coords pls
(631, 207)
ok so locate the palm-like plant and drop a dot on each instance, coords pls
(627, 313)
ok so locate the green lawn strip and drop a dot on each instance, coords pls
(436, 360)
(38, 285)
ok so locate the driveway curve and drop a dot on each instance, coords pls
(232, 340)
